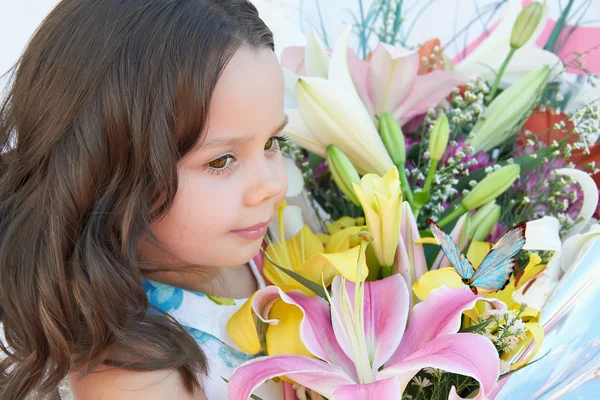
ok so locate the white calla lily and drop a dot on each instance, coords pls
(486, 59)
(542, 234)
(590, 197)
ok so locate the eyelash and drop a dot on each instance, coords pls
(281, 138)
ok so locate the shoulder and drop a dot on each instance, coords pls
(109, 383)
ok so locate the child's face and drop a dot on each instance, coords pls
(236, 179)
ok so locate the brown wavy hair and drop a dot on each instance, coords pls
(106, 98)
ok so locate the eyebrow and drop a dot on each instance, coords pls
(232, 141)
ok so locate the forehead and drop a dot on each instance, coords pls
(249, 95)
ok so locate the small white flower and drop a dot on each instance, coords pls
(421, 382)
(517, 327)
(504, 367)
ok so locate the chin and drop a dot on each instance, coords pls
(243, 252)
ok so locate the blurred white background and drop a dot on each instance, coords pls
(291, 20)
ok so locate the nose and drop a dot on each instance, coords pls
(266, 182)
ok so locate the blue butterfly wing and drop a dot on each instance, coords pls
(497, 266)
(458, 260)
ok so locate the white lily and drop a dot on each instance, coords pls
(543, 234)
(485, 60)
(330, 111)
(299, 210)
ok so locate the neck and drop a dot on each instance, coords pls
(233, 282)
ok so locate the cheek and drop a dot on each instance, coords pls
(203, 211)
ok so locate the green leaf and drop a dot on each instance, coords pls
(307, 283)
(524, 366)
(477, 327)
(222, 301)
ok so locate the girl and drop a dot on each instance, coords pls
(140, 169)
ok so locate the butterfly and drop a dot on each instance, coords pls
(494, 271)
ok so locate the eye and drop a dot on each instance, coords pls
(271, 143)
(274, 142)
(220, 163)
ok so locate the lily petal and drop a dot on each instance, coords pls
(385, 314)
(485, 60)
(295, 179)
(438, 316)
(434, 279)
(293, 58)
(317, 59)
(384, 389)
(339, 71)
(427, 92)
(316, 330)
(309, 372)
(392, 73)
(417, 266)
(543, 234)
(462, 353)
(301, 133)
(341, 119)
(345, 263)
(590, 197)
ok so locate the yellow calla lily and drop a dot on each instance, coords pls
(243, 328)
(434, 279)
(284, 337)
(381, 201)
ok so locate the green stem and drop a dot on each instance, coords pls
(404, 184)
(386, 271)
(453, 215)
(558, 27)
(501, 72)
(430, 175)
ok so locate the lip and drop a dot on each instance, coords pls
(253, 232)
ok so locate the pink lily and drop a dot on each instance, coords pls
(388, 81)
(351, 344)
(410, 257)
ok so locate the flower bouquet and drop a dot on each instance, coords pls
(438, 227)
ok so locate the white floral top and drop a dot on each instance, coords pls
(206, 320)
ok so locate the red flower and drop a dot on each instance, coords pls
(431, 57)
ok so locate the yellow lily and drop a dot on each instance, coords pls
(530, 316)
(344, 223)
(252, 336)
(381, 200)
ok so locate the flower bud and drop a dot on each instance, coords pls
(526, 23)
(439, 138)
(501, 118)
(491, 187)
(343, 172)
(393, 138)
(484, 220)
